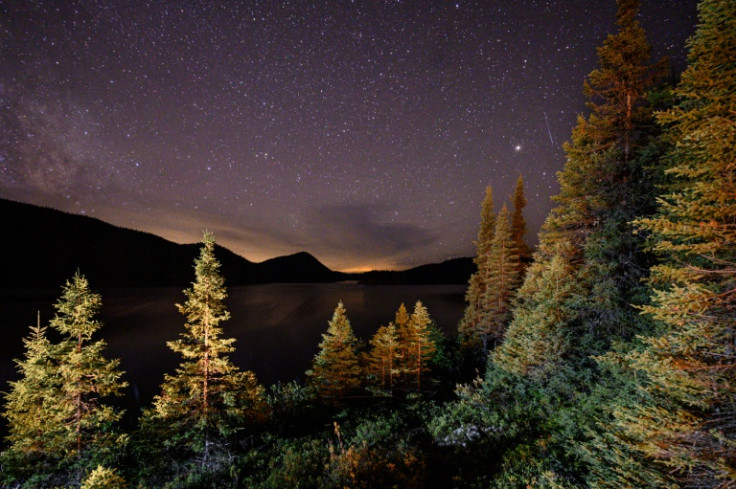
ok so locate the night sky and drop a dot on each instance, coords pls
(363, 132)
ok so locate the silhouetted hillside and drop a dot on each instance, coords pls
(44, 247)
(454, 271)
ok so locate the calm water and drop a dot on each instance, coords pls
(277, 326)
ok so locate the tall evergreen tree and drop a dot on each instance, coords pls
(63, 388)
(503, 278)
(27, 410)
(576, 297)
(335, 370)
(518, 225)
(85, 374)
(475, 294)
(383, 360)
(684, 422)
(208, 400)
(602, 187)
(417, 346)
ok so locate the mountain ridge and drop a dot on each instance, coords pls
(44, 247)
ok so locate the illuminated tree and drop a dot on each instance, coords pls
(384, 358)
(208, 401)
(683, 424)
(335, 370)
(475, 311)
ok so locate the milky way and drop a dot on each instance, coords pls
(363, 132)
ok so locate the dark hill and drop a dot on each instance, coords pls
(454, 271)
(44, 247)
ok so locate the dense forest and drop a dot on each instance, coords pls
(604, 358)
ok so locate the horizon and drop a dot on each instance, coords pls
(365, 134)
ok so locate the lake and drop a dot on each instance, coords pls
(277, 326)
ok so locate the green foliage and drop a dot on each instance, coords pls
(208, 402)
(683, 423)
(335, 371)
(59, 426)
(475, 310)
(27, 408)
(383, 361)
(518, 225)
(377, 456)
(417, 348)
(103, 478)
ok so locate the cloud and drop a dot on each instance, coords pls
(352, 233)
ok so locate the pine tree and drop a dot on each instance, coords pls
(208, 400)
(684, 422)
(518, 225)
(418, 349)
(335, 370)
(504, 277)
(383, 359)
(475, 310)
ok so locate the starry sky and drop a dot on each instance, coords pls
(363, 131)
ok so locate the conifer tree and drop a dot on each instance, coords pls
(518, 225)
(85, 377)
(475, 294)
(503, 279)
(335, 370)
(536, 338)
(27, 409)
(418, 348)
(383, 359)
(602, 187)
(401, 319)
(684, 422)
(208, 400)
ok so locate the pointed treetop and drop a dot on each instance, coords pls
(402, 316)
(487, 222)
(77, 308)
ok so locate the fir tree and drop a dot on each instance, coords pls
(335, 370)
(684, 422)
(475, 294)
(27, 410)
(383, 359)
(401, 318)
(208, 400)
(503, 278)
(418, 348)
(63, 387)
(590, 223)
(518, 225)
(536, 340)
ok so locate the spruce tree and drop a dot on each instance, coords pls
(603, 186)
(576, 298)
(335, 371)
(474, 296)
(208, 401)
(518, 225)
(382, 363)
(503, 278)
(683, 424)
(27, 410)
(63, 388)
(418, 348)
(85, 375)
